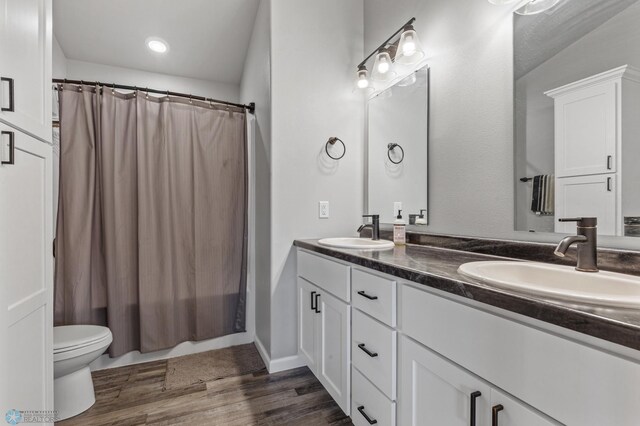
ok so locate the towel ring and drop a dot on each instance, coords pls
(332, 141)
(391, 147)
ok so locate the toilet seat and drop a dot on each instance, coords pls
(79, 338)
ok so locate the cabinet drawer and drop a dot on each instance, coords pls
(369, 405)
(374, 295)
(379, 365)
(326, 274)
(570, 382)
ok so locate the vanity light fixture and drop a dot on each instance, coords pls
(406, 50)
(156, 44)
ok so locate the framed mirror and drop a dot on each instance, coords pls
(577, 116)
(397, 150)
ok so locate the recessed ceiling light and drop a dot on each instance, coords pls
(157, 44)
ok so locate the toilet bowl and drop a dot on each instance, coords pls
(74, 348)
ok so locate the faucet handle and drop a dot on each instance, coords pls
(372, 216)
(583, 222)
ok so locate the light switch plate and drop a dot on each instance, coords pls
(323, 209)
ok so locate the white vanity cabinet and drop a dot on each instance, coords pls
(25, 66)
(597, 144)
(324, 323)
(419, 356)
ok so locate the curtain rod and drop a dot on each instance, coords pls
(251, 107)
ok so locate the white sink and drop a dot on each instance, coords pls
(603, 289)
(357, 243)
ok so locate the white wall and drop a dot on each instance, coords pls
(88, 71)
(617, 42)
(256, 87)
(315, 46)
(59, 61)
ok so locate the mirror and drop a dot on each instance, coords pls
(397, 124)
(577, 109)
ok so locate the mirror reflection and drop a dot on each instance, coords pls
(577, 103)
(397, 150)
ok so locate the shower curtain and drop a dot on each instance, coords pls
(151, 235)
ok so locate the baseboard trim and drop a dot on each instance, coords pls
(278, 364)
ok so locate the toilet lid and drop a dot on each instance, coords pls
(74, 336)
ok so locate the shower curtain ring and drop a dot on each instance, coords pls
(113, 88)
(190, 100)
(147, 95)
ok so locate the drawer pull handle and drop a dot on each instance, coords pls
(313, 307)
(317, 307)
(363, 294)
(367, 418)
(367, 351)
(472, 417)
(11, 102)
(12, 147)
(609, 186)
(494, 414)
(609, 158)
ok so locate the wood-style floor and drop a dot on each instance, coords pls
(133, 395)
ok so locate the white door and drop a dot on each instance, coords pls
(588, 196)
(308, 337)
(334, 371)
(26, 274)
(436, 392)
(507, 411)
(585, 131)
(25, 65)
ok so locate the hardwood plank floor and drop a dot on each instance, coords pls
(135, 395)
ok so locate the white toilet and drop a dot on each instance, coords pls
(74, 348)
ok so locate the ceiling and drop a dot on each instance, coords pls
(208, 39)
(537, 38)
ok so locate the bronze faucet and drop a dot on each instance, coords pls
(586, 242)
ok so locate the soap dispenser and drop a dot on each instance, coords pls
(399, 230)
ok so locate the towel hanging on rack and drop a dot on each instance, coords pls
(542, 195)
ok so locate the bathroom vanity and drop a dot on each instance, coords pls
(400, 337)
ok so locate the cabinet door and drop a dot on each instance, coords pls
(25, 59)
(584, 196)
(334, 371)
(308, 338)
(506, 411)
(585, 131)
(434, 391)
(26, 275)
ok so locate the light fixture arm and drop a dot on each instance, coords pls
(384, 44)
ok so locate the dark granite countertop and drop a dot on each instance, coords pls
(437, 268)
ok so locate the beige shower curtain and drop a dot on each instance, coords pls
(151, 233)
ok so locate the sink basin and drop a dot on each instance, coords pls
(603, 289)
(357, 243)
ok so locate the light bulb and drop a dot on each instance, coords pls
(157, 45)
(383, 66)
(362, 80)
(409, 46)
